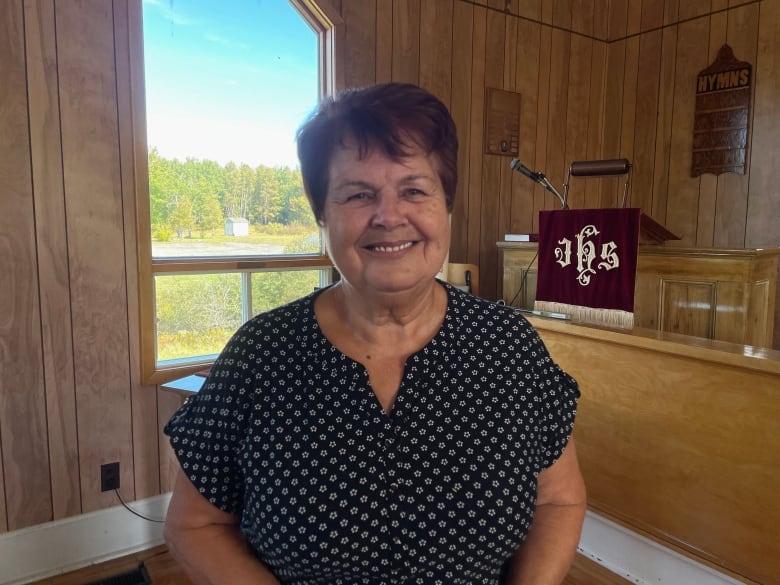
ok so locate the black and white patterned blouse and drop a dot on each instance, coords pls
(287, 434)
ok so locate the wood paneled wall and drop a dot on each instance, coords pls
(70, 397)
(598, 79)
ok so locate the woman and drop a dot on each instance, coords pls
(390, 428)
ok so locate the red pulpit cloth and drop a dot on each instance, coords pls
(587, 264)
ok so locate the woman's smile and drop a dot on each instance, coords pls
(386, 223)
(389, 248)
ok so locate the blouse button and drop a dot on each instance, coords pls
(394, 487)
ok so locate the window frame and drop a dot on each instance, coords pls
(326, 23)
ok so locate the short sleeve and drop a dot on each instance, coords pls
(560, 411)
(208, 432)
(559, 393)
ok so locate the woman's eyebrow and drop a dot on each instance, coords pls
(412, 178)
(353, 183)
(362, 184)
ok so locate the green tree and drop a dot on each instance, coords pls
(161, 188)
(267, 203)
(211, 216)
(182, 218)
(295, 208)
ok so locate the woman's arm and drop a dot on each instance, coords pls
(546, 555)
(207, 543)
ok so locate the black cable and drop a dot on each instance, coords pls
(524, 278)
(129, 509)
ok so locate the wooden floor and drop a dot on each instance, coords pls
(163, 570)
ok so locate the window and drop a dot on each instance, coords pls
(224, 230)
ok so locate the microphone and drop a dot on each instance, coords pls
(516, 165)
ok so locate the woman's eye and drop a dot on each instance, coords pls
(358, 196)
(414, 192)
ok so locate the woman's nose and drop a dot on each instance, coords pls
(388, 211)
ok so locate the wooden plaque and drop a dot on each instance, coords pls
(502, 121)
(722, 116)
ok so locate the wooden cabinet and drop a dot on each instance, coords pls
(677, 439)
(728, 295)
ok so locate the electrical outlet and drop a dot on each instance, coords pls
(109, 476)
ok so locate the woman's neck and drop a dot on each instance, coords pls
(381, 317)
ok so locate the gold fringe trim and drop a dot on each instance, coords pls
(608, 317)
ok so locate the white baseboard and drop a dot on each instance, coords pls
(57, 547)
(64, 545)
(641, 560)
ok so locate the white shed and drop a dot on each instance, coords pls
(236, 226)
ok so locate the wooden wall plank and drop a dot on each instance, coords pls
(3, 509)
(708, 183)
(462, 32)
(665, 120)
(616, 55)
(562, 14)
(693, 8)
(601, 19)
(682, 205)
(52, 240)
(634, 17)
(560, 56)
(596, 117)
(731, 211)
(582, 17)
(543, 114)
(23, 438)
(671, 11)
(92, 182)
(616, 59)
(527, 79)
(652, 15)
(718, 5)
(406, 41)
(547, 11)
(628, 120)
(530, 9)
(134, 163)
(360, 24)
(618, 19)
(507, 180)
(476, 134)
(167, 403)
(491, 164)
(577, 115)
(384, 40)
(436, 48)
(648, 81)
(763, 213)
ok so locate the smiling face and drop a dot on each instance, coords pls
(385, 222)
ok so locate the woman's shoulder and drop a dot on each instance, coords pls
(290, 316)
(466, 306)
(280, 330)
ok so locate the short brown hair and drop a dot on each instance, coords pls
(396, 118)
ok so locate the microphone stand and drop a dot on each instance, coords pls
(544, 182)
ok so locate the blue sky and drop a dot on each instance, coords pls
(227, 80)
